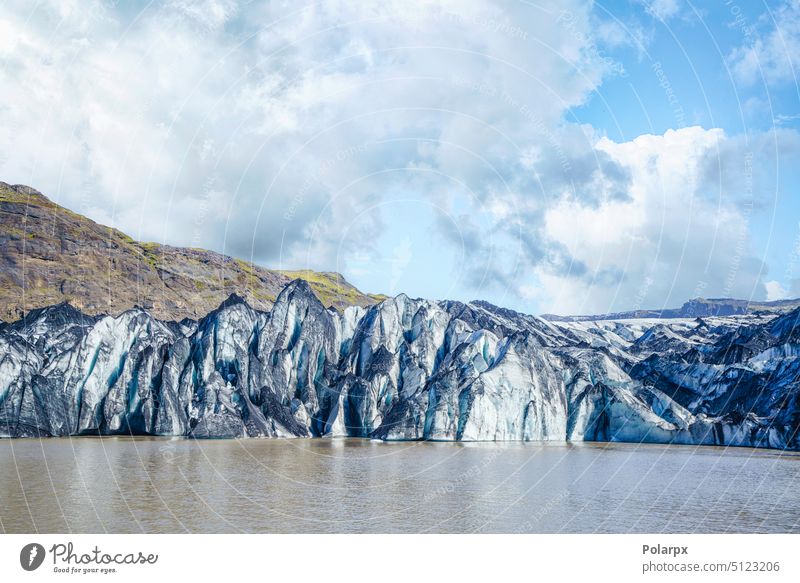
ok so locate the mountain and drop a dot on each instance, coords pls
(49, 254)
(402, 369)
(698, 307)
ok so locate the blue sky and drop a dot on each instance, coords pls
(695, 47)
(559, 156)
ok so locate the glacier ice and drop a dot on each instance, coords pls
(400, 370)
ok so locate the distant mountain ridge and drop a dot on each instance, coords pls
(696, 308)
(49, 255)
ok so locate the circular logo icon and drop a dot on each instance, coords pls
(31, 556)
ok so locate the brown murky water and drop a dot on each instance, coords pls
(348, 485)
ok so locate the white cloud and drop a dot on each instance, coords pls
(772, 49)
(279, 117)
(211, 14)
(662, 9)
(775, 291)
(273, 131)
(683, 232)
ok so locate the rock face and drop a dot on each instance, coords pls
(402, 369)
(49, 254)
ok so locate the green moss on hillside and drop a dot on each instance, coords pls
(332, 289)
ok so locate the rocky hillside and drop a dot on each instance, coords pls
(402, 369)
(49, 254)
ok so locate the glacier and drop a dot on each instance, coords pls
(403, 369)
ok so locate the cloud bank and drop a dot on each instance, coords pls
(280, 131)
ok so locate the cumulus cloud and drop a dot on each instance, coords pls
(684, 230)
(772, 48)
(775, 291)
(280, 132)
(662, 9)
(274, 118)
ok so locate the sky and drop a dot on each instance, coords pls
(551, 157)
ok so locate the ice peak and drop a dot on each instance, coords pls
(58, 314)
(297, 290)
(232, 300)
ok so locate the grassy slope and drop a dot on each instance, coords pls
(332, 287)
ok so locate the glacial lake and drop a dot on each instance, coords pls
(350, 485)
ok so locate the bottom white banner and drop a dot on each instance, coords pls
(389, 558)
